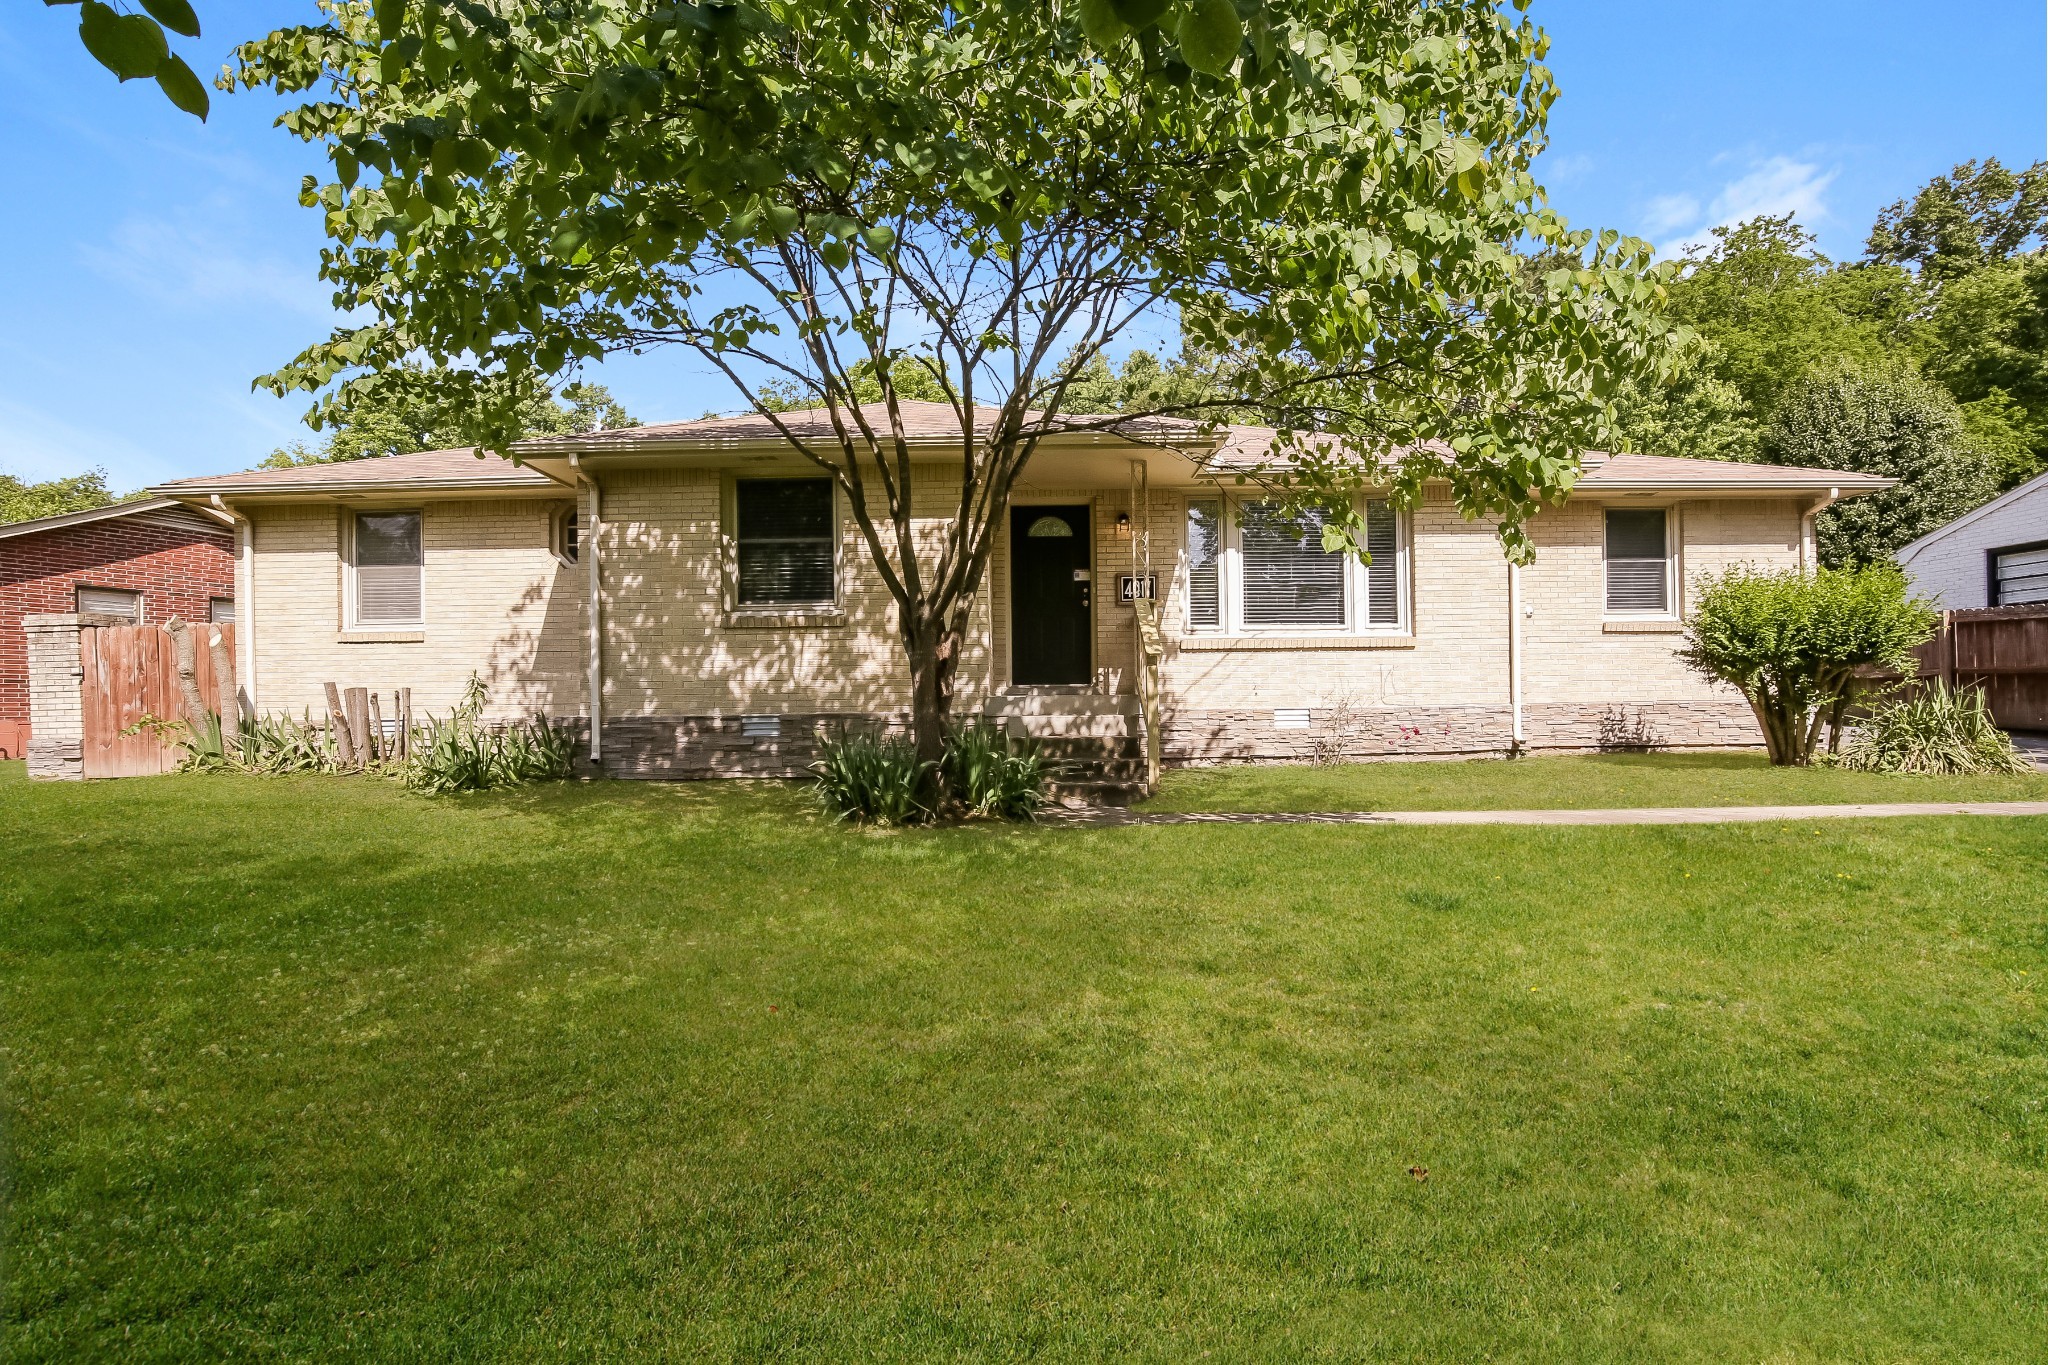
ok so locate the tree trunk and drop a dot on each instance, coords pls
(198, 714)
(230, 698)
(934, 657)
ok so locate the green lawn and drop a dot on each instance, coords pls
(1607, 781)
(310, 1069)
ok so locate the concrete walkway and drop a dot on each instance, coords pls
(1645, 815)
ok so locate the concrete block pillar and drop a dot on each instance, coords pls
(56, 701)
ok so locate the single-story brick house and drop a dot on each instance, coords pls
(146, 560)
(736, 610)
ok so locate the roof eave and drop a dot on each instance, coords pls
(199, 494)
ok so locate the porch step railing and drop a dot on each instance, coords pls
(1151, 648)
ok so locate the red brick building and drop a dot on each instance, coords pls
(151, 559)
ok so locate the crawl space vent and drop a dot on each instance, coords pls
(761, 727)
(1291, 718)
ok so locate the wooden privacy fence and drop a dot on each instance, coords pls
(2003, 650)
(129, 676)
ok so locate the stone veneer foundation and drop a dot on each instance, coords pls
(693, 747)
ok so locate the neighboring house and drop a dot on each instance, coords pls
(737, 611)
(1995, 556)
(146, 560)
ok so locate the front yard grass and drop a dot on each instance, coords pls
(1588, 782)
(310, 1069)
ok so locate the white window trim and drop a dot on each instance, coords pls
(780, 613)
(1674, 578)
(558, 533)
(350, 620)
(1230, 581)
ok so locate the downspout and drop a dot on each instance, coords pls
(245, 599)
(593, 620)
(1515, 656)
(1809, 546)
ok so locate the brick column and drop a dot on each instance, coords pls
(56, 704)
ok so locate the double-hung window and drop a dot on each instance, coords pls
(784, 537)
(1254, 569)
(384, 569)
(1639, 561)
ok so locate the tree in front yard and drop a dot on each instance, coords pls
(1799, 647)
(819, 197)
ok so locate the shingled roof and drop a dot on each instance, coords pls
(1220, 450)
(422, 469)
(924, 422)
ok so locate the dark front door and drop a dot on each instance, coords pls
(1049, 592)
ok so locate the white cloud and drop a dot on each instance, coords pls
(1773, 186)
(188, 263)
(1670, 213)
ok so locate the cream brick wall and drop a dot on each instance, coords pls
(496, 602)
(1574, 666)
(673, 648)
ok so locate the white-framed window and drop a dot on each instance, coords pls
(785, 537)
(1253, 570)
(385, 569)
(221, 611)
(125, 603)
(564, 534)
(1639, 562)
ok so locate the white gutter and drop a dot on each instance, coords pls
(1515, 653)
(593, 610)
(1809, 549)
(245, 599)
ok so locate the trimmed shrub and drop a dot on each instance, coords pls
(1799, 646)
(1938, 731)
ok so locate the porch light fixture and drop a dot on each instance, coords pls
(1123, 526)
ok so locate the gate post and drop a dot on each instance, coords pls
(56, 703)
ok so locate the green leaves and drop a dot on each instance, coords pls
(181, 87)
(1140, 14)
(175, 15)
(132, 46)
(1101, 22)
(1210, 35)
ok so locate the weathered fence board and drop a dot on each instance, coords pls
(2003, 650)
(130, 676)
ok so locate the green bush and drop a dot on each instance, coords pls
(873, 780)
(1802, 647)
(990, 775)
(879, 780)
(461, 754)
(1939, 730)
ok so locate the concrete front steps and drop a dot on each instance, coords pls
(1095, 741)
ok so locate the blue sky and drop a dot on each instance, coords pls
(154, 266)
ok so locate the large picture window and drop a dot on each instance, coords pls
(1256, 570)
(1289, 578)
(385, 569)
(785, 542)
(1638, 560)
